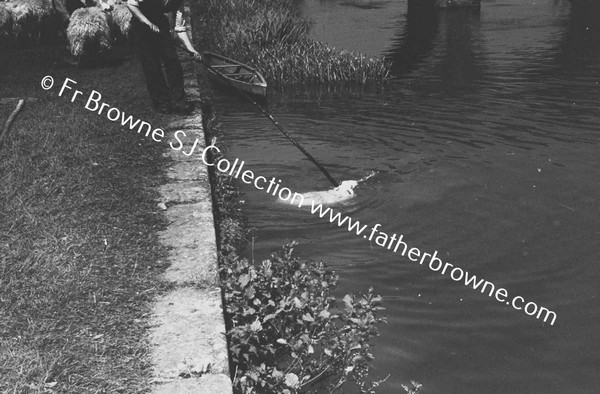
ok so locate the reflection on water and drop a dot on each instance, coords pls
(580, 46)
(487, 148)
(416, 40)
(460, 64)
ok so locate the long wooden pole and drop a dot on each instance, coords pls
(296, 143)
(10, 121)
(270, 117)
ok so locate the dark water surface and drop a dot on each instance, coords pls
(488, 151)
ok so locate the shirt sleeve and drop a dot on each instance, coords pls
(135, 3)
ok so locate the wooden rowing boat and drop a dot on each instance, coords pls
(236, 74)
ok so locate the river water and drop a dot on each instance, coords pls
(487, 150)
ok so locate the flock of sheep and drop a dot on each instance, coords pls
(90, 31)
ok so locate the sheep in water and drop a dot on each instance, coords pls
(345, 191)
(340, 194)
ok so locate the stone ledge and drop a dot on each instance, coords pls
(188, 171)
(184, 192)
(188, 139)
(189, 334)
(189, 348)
(185, 270)
(206, 384)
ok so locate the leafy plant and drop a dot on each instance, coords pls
(288, 332)
(414, 387)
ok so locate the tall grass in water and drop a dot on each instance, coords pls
(272, 36)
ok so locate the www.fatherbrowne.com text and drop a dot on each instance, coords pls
(394, 242)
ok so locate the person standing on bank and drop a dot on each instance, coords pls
(155, 47)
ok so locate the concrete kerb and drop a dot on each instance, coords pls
(189, 348)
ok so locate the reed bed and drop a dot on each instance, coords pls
(89, 32)
(273, 37)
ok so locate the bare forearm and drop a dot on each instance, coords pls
(182, 34)
(135, 11)
(185, 39)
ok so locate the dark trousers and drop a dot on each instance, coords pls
(155, 51)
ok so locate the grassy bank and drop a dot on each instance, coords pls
(273, 37)
(79, 257)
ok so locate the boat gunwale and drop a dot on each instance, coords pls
(262, 83)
